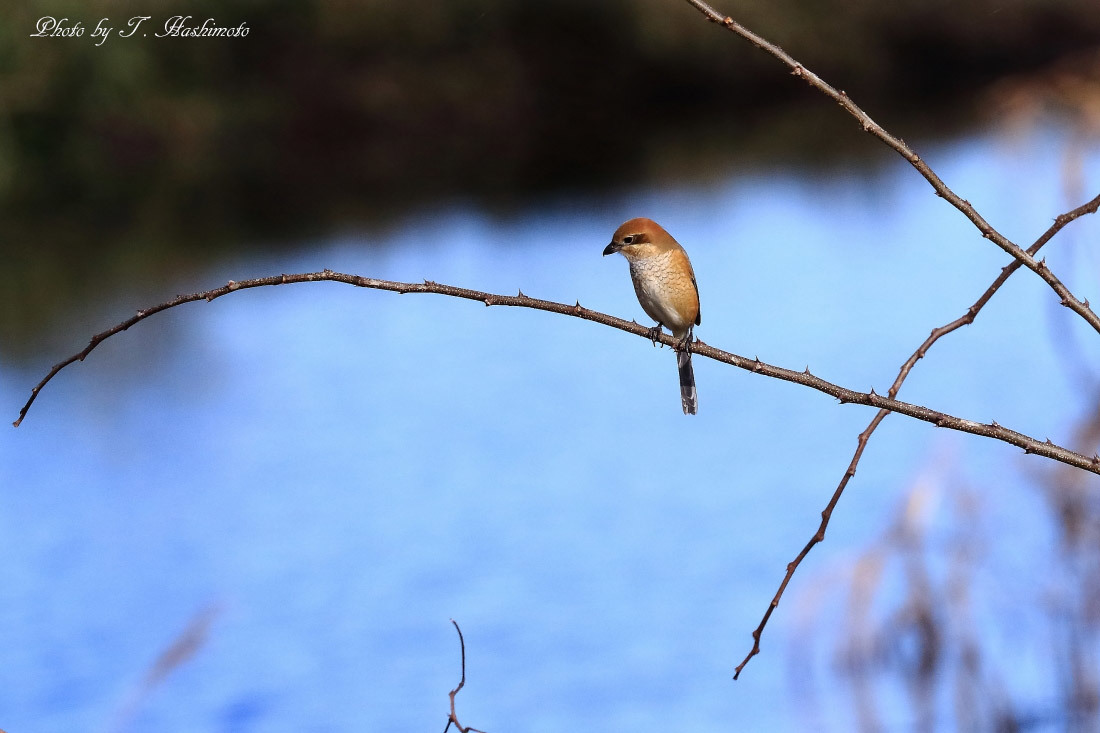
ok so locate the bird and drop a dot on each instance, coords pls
(665, 285)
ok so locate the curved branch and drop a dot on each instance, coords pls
(1068, 299)
(805, 378)
(452, 718)
(937, 333)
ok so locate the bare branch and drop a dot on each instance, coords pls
(1068, 299)
(1020, 257)
(453, 718)
(805, 378)
(965, 319)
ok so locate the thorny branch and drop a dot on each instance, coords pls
(453, 718)
(1039, 267)
(805, 378)
(964, 320)
(1020, 257)
(885, 404)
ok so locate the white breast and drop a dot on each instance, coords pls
(654, 284)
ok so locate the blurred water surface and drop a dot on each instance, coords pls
(340, 471)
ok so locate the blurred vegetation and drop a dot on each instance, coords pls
(937, 625)
(135, 158)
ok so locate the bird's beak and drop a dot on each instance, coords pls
(611, 249)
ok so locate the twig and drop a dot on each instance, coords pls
(937, 333)
(1068, 299)
(452, 718)
(805, 378)
(185, 646)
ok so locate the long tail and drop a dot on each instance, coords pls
(687, 382)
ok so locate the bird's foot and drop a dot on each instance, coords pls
(654, 334)
(684, 344)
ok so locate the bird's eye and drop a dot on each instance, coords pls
(628, 239)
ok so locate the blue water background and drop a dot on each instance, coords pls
(340, 471)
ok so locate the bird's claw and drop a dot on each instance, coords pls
(654, 334)
(684, 344)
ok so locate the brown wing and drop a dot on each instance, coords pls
(699, 313)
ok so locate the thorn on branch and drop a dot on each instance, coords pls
(519, 293)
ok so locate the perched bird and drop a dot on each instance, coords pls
(665, 284)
